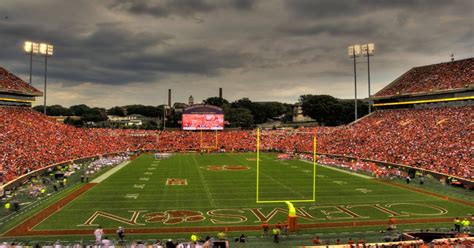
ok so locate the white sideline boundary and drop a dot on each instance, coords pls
(110, 172)
(340, 170)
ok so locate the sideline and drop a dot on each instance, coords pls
(340, 170)
(199, 229)
(109, 172)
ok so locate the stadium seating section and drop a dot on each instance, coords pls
(13, 84)
(437, 139)
(425, 79)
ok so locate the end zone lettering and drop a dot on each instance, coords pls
(310, 214)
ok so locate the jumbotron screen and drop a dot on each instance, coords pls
(203, 117)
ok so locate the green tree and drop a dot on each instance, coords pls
(239, 117)
(119, 111)
(95, 115)
(148, 111)
(76, 123)
(216, 101)
(38, 108)
(57, 110)
(328, 110)
(79, 110)
(320, 107)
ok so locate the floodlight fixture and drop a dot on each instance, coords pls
(28, 47)
(368, 49)
(46, 49)
(354, 51)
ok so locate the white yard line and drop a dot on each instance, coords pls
(340, 170)
(109, 173)
(204, 183)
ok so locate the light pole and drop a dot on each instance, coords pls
(45, 50)
(353, 52)
(31, 48)
(368, 50)
(39, 49)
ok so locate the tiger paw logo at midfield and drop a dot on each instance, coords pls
(171, 217)
(226, 168)
(176, 181)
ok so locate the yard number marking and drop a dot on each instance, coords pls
(365, 191)
(134, 196)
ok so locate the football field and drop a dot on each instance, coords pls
(219, 190)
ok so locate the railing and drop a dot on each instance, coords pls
(435, 174)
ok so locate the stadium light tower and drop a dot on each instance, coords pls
(45, 50)
(31, 48)
(353, 52)
(368, 50)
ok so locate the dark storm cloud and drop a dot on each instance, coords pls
(264, 50)
(344, 8)
(183, 8)
(114, 55)
(335, 28)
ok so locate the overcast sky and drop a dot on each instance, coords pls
(118, 52)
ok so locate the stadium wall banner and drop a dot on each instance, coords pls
(203, 117)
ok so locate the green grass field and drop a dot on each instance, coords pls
(220, 190)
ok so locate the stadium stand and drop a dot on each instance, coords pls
(11, 83)
(438, 77)
(14, 91)
(31, 141)
(436, 139)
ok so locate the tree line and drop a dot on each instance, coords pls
(244, 113)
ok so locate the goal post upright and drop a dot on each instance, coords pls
(258, 163)
(314, 164)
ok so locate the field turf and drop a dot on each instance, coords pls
(193, 190)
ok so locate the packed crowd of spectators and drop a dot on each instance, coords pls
(11, 83)
(30, 141)
(437, 139)
(444, 76)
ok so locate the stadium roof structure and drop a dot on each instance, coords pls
(454, 76)
(10, 83)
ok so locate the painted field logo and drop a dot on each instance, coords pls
(171, 217)
(176, 181)
(226, 168)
